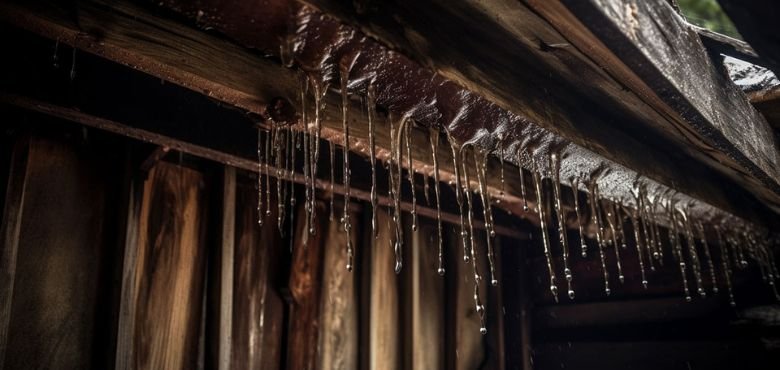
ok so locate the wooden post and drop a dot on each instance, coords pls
(226, 271)
(9, 235)
(384, 346)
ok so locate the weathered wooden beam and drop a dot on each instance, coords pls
(221, 155)
(665, 53)
(721, 44)
(125, 350)
(226, 269)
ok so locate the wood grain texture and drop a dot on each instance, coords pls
(305, 286)
(258, 309)
(426, 297)
(227, 263)
(384, 307)
(338, 338)
(170, 269)
(469, 350)
(56, 309)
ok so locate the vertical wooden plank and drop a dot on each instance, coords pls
(427, 300)
(496, 312)
(226, 266)
(9, 235)
(56, 318)
(258, 309)
(517, 302)
(384, 317)
(127, 304)
(339, 307)
(170, 269)
(305, 284)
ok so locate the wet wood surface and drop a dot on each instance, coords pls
(384, 317)
(258, 308)
(339, 335)
(305, 290)
(170, 269)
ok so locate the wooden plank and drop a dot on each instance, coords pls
(305, 288)
(427, 301)
(718, 43)
(170, 269)
(384, 310)
(57, 317)
(125, 354)
(258, 308)
(9, 232)
(469, 351)
(227, 263)
(338, 336)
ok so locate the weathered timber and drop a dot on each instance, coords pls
(258, 308)
(384, 348)
(338, 336)
(510, 49)
(220, 155)
(306, 290)
(170, 269)
(756, 21)
(659, 47)
(721, 44)
(249, 81)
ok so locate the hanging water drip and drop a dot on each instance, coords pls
(555, 168)
(268, 144)
(633, 214)
(410, 172)
(346, 220)
(574, 183)
(480, 159)
(371, 102)
(474, 263)
(596, 221)
(501, 162)
(259, 177)
(433, 136)
(543, 223)
(395, 176)
(611, 221)
(708, 255)
(695, 264)
(455, 148)
(678, 250)
(522, 181)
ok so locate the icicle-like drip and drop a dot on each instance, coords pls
(268, 143)
(474, 263)
(574, 183)
(320, 88)
(410, 171)
(332, 157)
(395, 174)
(480, 160)
(543, 224)
(647, 231)
(611, 221)
(708, 254)
(595, 220)
(371, 99)
(306, 138)
(346, 219)
(458, 195)
(259, 177)
(433, 136)
(695, 263)
(522, 181)
(502, 192)
(281, 201)
(678, 249)
(656, 235)
(633, 214)
(555, 167)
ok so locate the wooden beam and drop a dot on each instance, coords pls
(125, 350)
(9, 235)
(221, 155)
(721, 44)
(665, 53)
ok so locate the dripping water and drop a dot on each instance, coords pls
(371, 98)
(259, 177)
(555, 168)
(410, 171)
(543, 224)
(595, 220)
(708, 255)
(433, 136)
(458, 195)
(480, 160)
(346, 220)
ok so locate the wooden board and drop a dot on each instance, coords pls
(58, 312)
(426, 295)
(338, 336)
(170, 269)
(384, 309)
(258, 308)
